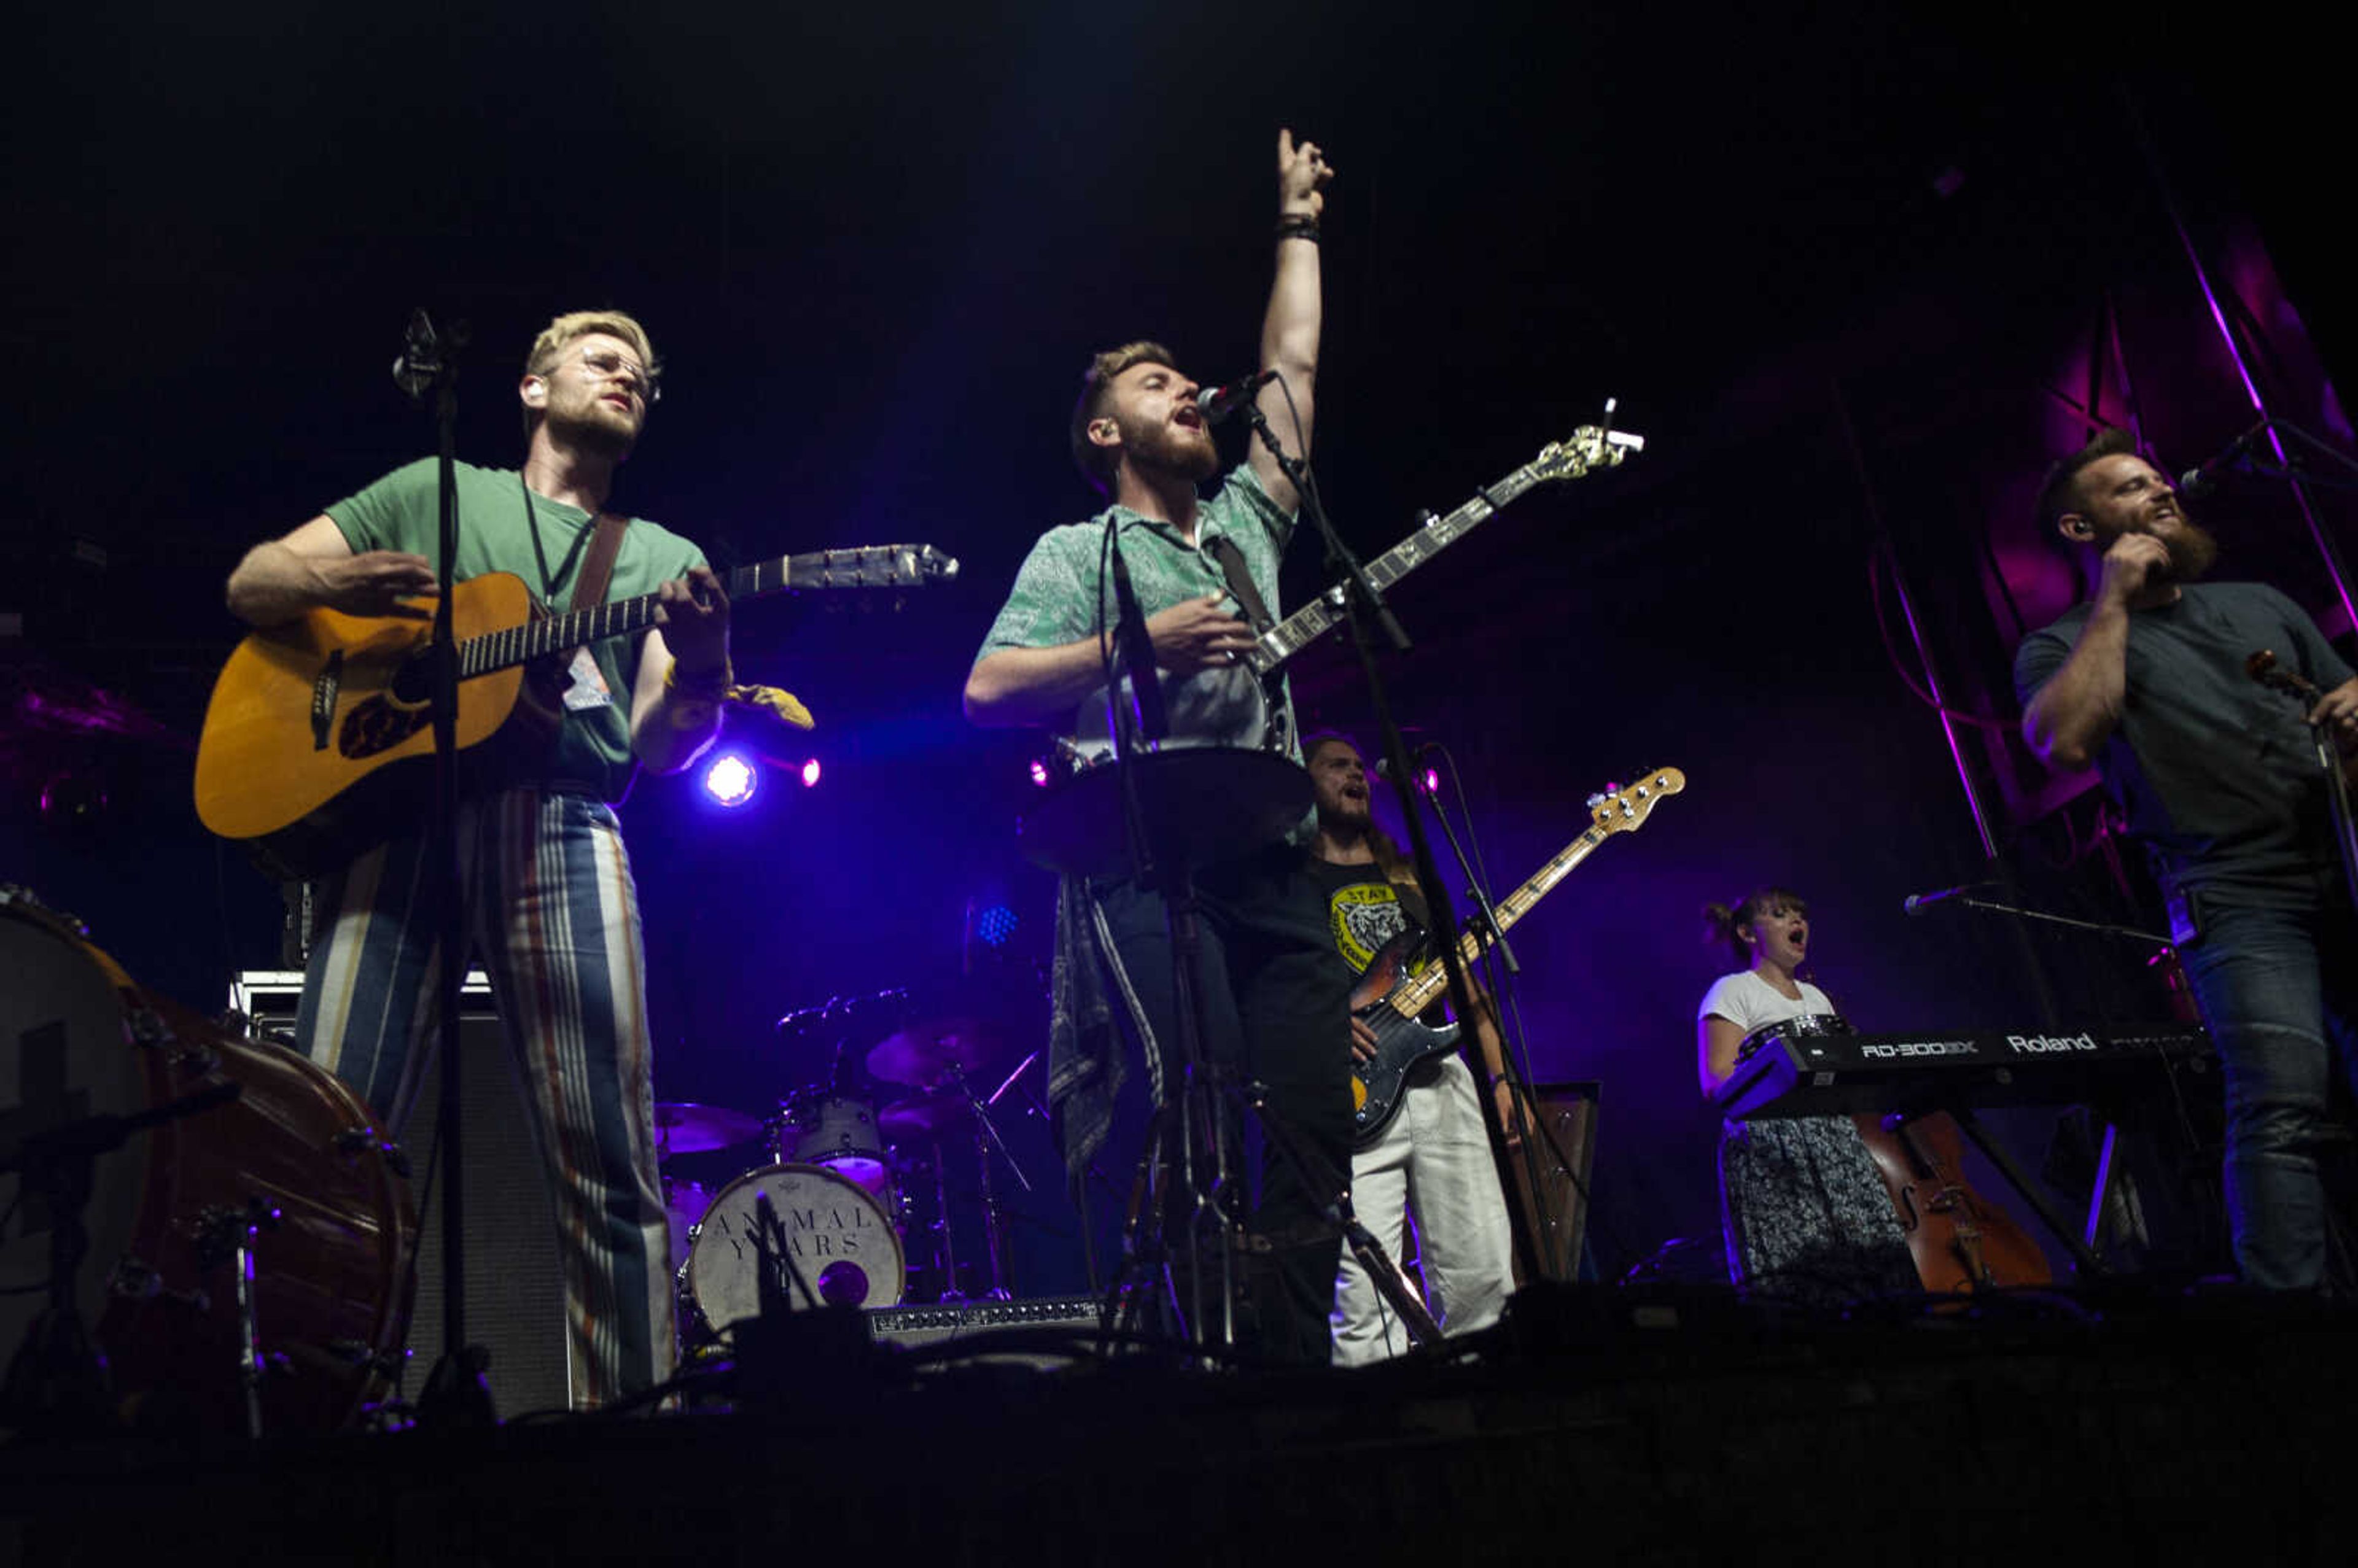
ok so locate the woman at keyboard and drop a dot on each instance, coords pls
(1804, 1212)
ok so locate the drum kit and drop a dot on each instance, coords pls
(203, 1219)
(861, 1191)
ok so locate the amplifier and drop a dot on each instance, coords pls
(516, 1279)
(926, 1327)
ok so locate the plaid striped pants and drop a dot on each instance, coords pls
(552, 912)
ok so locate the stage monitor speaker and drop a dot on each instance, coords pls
(1566, 1151)
(516, 1279)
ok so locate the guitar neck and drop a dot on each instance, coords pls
(864, 566)
(1305, 626)
(1417, 994)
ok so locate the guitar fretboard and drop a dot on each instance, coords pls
(864, 567)
(1420, 993)
(1588, 447)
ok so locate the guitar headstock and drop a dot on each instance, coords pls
(1584, 450)
(1626, 809)
(870, 567)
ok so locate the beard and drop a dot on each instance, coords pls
(595, 428)
(2192, 549)
(1340, 815)
(1161, 448)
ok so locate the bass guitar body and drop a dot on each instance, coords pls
(1402, 1043)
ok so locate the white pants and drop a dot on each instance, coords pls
(1432, 1163)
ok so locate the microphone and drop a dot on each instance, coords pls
(1917, 902)
(1415, 779)
(1218, 403)
(2203, 476)
(421, 357)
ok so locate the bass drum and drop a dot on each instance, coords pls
(78, 1039)
(841, 1241)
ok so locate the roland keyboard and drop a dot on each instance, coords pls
(1807, 1074)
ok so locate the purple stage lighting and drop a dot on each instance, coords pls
(810, 773)
(1040, 773)
(728, 779)
(1432, 780)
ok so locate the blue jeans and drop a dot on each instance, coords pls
(2278, 990)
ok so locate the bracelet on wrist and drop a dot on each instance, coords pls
(1298, 226)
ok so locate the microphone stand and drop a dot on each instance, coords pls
(1362, 603)
(455, 1395)
(2286, 468)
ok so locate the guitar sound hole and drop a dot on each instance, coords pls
(412, 681)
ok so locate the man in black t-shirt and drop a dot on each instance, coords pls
(2217, 776)
(1432, 1160)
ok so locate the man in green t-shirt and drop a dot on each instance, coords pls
(1273, 997)
(550, 902)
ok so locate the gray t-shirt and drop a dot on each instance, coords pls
(2216, 774)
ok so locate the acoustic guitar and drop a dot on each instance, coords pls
(319, 733)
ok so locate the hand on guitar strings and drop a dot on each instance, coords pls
(693, 611)
(1197, 634)
(376, 582)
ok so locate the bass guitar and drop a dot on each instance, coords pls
(1395, 989)
(323, 728)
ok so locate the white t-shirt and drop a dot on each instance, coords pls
(1749, 1003)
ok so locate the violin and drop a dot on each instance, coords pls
(1960, 1240)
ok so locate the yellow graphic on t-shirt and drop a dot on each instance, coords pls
(1363, 918)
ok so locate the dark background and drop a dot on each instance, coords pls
(1857, 280)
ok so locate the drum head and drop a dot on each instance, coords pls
(66, 1054)
(840, 1239)
(839, 1132)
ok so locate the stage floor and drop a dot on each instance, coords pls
(1675, 1426)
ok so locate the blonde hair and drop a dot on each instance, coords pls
(1096, 462)
(574, 324)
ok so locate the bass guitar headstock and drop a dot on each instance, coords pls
(1624, 810)
(1584, 451)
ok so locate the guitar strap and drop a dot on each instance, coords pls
(598, 566)
(1240, 583)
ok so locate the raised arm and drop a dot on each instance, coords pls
(1289, 331)
(315, 566)
(2068, 720)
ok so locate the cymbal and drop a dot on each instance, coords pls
(930, 1050)
(922, 1116)
(683, 1129)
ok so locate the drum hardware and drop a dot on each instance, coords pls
(355, 1141)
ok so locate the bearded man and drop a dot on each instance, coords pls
(2216, 775)
(550, 905)
(1274, 1003)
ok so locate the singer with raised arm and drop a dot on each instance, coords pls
(1804, 1209)
(1141, 435)
(549, 904)
(2146, 680)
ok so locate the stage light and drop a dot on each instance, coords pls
(1040, 772)
(1432, 781)
(810, 773)
(729, 779)
(995, 925)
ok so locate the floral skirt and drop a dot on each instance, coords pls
(1805, 1213)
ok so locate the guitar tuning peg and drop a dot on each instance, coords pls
(1596, 800)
